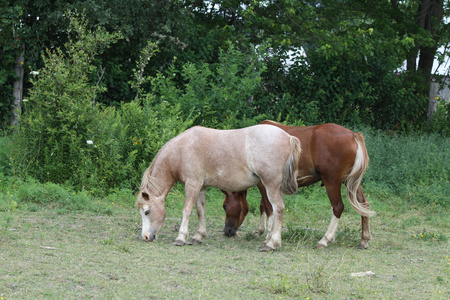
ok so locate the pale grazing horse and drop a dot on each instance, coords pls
(232, 160)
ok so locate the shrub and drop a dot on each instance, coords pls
(60, 113)
(43, 194)
(440, 122)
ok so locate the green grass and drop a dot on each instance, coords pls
(48, 251)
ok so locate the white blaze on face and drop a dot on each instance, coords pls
(145, 222)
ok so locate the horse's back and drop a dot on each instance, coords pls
(265, 143)
(327, 137)
(202, 147)
(229, 159)
(328, 149)
(236, 142)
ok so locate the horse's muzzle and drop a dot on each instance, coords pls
(149, 237)
(229, 230)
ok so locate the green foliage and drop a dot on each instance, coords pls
(417, 166)
(6, 223)
(30, 195)
(66, 137)
(355, 83)
(5, 156)
(60, 113)
(440, 122)
(217, 95)
(142, 129)
(48, 194)
(11, 45)
(353, 50)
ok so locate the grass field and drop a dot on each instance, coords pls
(50, 252)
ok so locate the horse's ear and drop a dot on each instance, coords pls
(146, 196)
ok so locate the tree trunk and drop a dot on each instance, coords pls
(429, 15)
(17, 90)
(432, 102)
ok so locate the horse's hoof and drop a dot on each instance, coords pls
(179, 243)
(320, 246)
(362, 247)
(266, 248)
(194, 242)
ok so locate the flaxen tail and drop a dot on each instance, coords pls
(289, 185)
(353, 180)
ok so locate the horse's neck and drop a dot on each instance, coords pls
(162, 179)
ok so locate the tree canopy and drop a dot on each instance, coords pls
(326, 60)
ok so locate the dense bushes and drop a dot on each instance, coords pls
(214, 94)
(415, 168)
(65, 137)
(339, 88)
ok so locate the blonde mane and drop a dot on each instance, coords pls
(150, 185)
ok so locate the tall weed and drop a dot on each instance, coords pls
(5, 155)
(412, 165)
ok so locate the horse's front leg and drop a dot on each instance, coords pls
(191, 195)
(201, 232)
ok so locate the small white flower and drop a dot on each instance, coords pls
(35, 73)
(89, 142)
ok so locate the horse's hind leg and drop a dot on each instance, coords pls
(262, 223)
(334, 193)
(192, 192)
(265, 209)
(365, 227)
(201, 232)
(273, 239)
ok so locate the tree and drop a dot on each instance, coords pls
(11, 57)
(377, 33)
(423, 22)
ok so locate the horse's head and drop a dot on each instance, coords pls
(153, 214)
(236, 208)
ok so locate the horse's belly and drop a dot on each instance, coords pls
(231, 182)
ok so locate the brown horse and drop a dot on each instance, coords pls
(232, 160)
(331, 153)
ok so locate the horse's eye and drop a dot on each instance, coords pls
(147, 212)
